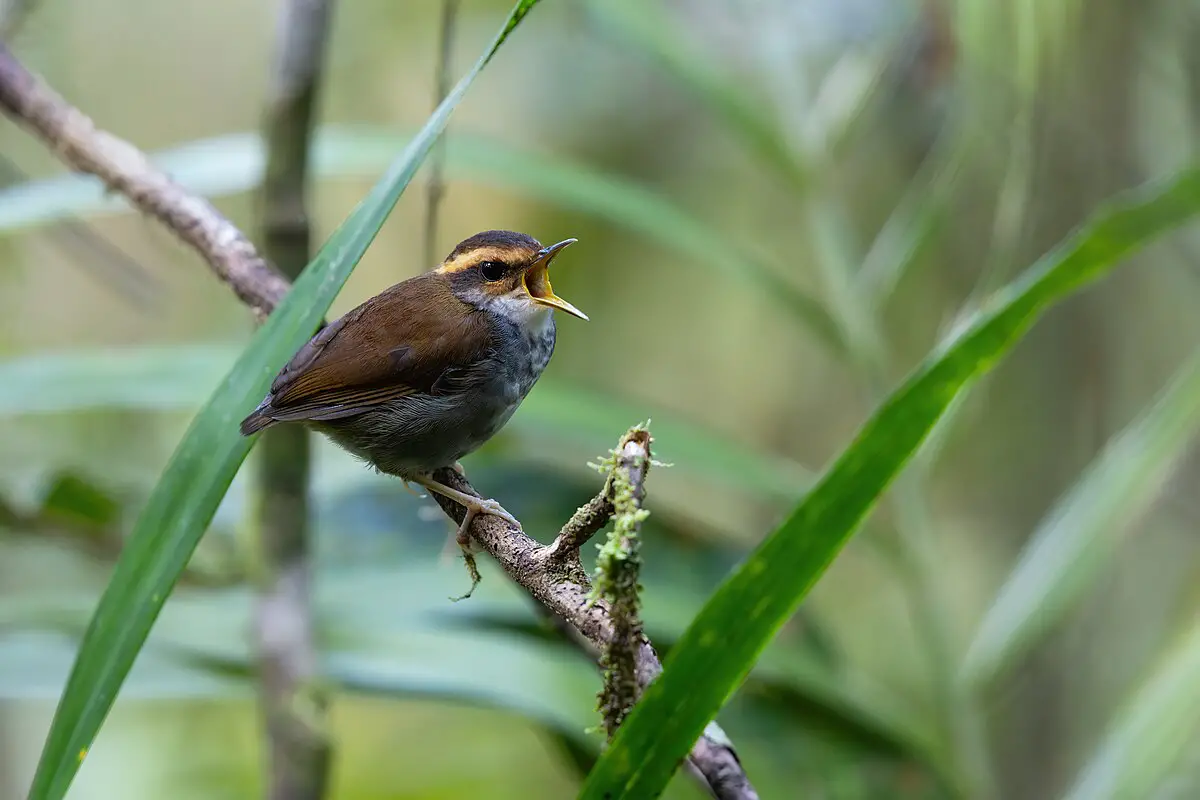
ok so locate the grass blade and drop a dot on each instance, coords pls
(1080, 535)
(204, 464)
(1147, 739)
(919, 214)
(724, 640)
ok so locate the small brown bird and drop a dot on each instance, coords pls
(423, 374)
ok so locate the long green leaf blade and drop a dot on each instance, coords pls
(1081, 534)
(722, 643)
(1148, 738)
(204, 464)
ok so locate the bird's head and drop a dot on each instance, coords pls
(506, 272)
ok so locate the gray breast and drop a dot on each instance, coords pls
(423, 432)
(524, 352)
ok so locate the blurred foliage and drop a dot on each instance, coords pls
(749, 608)
(751, 183)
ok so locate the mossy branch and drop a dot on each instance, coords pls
(554, 576)
(617, 575)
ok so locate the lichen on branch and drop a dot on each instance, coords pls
(617, 575)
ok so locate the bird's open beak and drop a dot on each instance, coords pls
(537, 280)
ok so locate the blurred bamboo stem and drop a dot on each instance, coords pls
(292, 703)
(435, 189)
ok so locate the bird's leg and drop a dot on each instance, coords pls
(474, 506)
(409, 489)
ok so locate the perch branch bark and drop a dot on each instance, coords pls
(292, 702)
(553, 575)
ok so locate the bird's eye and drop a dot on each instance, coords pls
(493, 270)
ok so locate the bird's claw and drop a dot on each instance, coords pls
(496, 510)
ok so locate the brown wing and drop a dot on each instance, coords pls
(395, 344)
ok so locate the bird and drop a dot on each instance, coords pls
(427, 371)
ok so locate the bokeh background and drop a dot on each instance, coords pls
(782, 205)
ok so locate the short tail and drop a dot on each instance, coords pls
(256, 422)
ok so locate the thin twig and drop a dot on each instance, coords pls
(94, 252)
(435, 189)
(588, 520)
(124, 169)
(557, 581)
(293, 704)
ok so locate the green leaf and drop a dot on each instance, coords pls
(205, 462)
(234, 163)
(177, 378)
(1080, 536)
(70, 497)
(1147, 739)
(722, 643)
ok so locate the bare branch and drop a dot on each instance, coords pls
(123, 168)
(292, 701)
(552, 575)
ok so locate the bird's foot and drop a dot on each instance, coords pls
(408, 487)
(474, 506)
